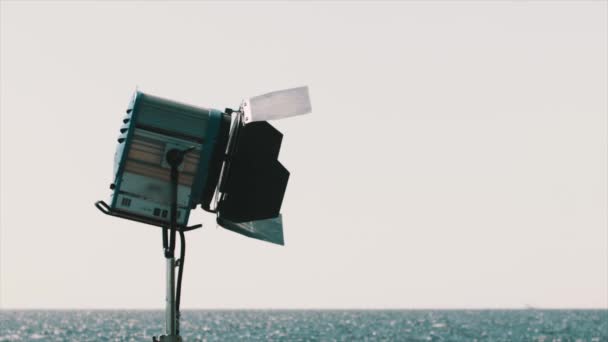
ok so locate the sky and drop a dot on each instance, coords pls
(456, 155)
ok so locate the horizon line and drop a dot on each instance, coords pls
(531, 308)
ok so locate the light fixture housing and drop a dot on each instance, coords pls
(232, 168)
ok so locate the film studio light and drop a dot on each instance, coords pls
(172, 157)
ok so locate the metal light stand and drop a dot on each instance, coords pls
(174, 159)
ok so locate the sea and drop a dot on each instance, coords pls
(308, 325)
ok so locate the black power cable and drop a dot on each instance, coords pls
(180, 273)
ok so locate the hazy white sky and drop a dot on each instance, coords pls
(456, 155)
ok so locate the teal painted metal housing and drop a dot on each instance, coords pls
(151, 127)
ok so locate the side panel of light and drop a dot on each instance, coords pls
(277, 105)
(270, 230)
